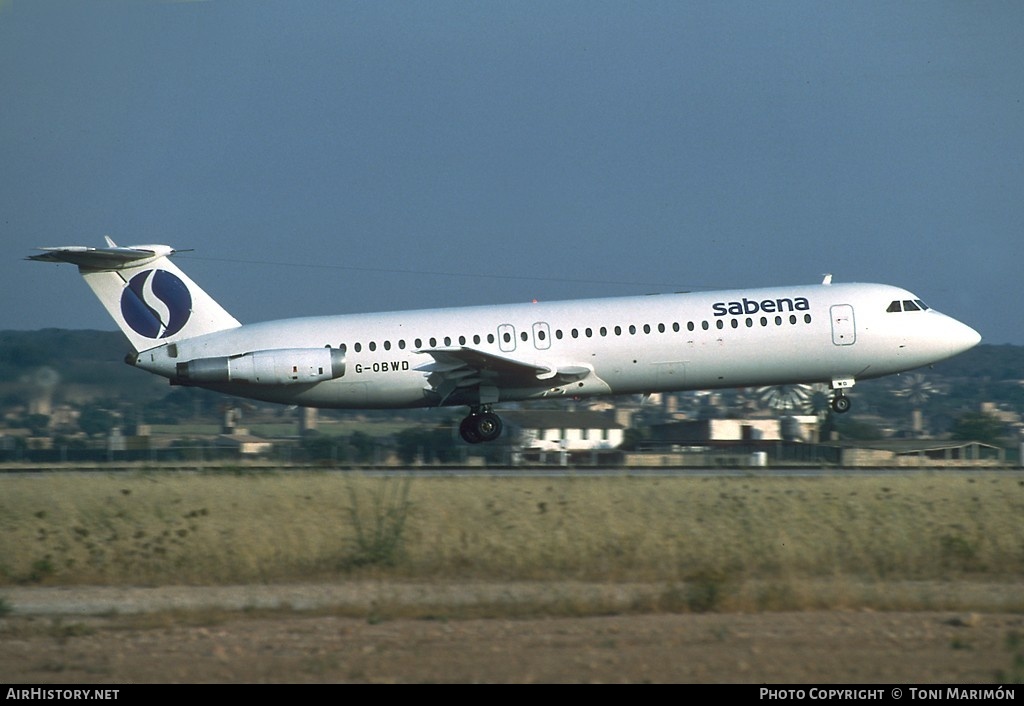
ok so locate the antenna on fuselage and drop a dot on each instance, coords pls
(827, 279)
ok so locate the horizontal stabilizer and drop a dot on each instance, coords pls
(112, 258)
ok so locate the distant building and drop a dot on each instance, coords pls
(244, 443)
(908, 453)
(712, 431)
(238, 438)
(1003, 413)
(558, 430)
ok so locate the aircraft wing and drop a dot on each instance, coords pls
(456, 368)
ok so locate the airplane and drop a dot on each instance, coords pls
(480, 356)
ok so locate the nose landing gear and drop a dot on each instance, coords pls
(840, 403)
(480, 426)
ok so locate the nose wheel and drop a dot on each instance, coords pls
(840, 403)
(480, 427)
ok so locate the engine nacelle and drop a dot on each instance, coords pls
(285, 366)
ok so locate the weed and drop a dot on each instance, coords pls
(1015, 674)
(62, 632)
(379, 537)
(705, 591)
(957, 552)
(41, 569)
(701, 592)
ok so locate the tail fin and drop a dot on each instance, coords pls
(152, 301)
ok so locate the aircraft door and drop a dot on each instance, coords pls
(507, 337)
(844, 330)
(541, 336)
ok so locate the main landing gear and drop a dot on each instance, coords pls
(840, 403)
(481, 425)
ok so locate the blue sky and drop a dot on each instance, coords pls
(331, 157)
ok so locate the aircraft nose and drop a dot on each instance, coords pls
(961, 337)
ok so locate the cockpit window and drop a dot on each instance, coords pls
(907, 305)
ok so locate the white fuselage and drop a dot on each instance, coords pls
(831, 333)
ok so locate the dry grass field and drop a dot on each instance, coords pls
(490, 557)
(160, 528)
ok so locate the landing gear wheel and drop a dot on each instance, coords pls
(841, 404)
(478, 427)
(488, 426)
(467, 430)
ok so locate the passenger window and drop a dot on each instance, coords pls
(373, 345)
(387, 345)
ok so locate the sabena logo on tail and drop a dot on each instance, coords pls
(156, 304)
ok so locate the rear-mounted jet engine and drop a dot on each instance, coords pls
(285, 366)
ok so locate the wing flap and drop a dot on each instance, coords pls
(447, 360)
(459, 368)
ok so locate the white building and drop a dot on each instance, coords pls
(563, 430)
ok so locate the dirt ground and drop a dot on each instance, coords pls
(204, 636)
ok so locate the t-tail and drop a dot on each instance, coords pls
(152, 301)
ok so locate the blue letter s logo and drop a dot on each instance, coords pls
(156, 304)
